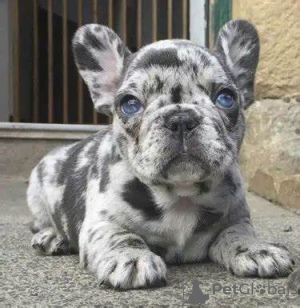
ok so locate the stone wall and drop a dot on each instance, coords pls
(278, 24)
(270, 155)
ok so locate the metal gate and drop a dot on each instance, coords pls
(47, 87)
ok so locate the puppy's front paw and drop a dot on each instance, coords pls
(262, 260)
(132, 269)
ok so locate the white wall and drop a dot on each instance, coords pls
(197, 22)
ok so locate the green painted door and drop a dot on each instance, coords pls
(220, 13)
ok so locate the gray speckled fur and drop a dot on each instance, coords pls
(137, 194)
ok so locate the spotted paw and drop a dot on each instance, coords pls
(47, 242)
(261, 260)
(132, 269)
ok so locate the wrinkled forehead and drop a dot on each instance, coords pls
(173, 61)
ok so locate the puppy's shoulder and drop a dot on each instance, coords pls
(61, 161)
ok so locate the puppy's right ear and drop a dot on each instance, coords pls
(99, 55)
(238, 45)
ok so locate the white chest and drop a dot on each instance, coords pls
(176, 225)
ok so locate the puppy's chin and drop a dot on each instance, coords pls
(184, 170)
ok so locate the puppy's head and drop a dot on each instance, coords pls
(177, 107)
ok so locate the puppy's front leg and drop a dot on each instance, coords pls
(120, 258)
(242, 253)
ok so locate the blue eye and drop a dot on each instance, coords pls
(225, 100)
(130, 105)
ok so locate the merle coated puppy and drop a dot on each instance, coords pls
(162, 183)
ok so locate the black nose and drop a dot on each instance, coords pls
(182, 122)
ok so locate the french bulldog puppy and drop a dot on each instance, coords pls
(162, 183)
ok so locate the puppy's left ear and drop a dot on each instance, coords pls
(100, 55)
(238, 46)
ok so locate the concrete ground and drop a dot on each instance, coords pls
(27, 279)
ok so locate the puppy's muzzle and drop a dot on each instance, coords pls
(181, 125)
(182, 122)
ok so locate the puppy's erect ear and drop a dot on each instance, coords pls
(238, 46)
(99, 55)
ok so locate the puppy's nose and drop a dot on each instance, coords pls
(182, 122)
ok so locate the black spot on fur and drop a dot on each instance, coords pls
(207, 217)
(105, 177)
(92, 41)
(75, 181)
(118, 234)
(230, 183)
(132, 86)
(112, 268)
(176, 94)
(195, 69)
(279, 246)
(160, 105)
(85, 59)
(121, 142)
(120, 49)
(164, 57)
(139, 197)
(41, 172)
(130, 263)
(239, 249)
(204, 187)
(96, 95)
(94, 171)
(128, 242)
(115, 155)
(264, 253)
(201, 88)
(159, 84)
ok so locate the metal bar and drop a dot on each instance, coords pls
(47, 131)
(49, 127)
(154, 20)
(170, 19)
(124, 21)
(95, 11)
(184, 19)
(95, 20)
(16, 67)
(139, 24)
(65, 62)
(35, 62)
(110, 13)
(50, 61)
(80, 82)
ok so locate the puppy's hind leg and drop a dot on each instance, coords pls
(36, 202)
(49, 242)
(46, 239)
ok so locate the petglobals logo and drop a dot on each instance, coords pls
(195, 295)
(251, 288)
